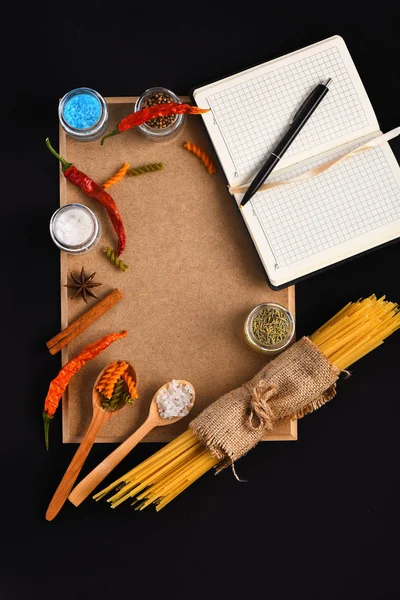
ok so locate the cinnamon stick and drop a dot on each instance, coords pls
(81, 323)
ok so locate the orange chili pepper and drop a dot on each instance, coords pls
(152, 112)
(59, 383)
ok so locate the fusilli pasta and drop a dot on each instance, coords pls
(110, 369)
(145, 169)
(202, 155)
(117, 177)
(117, 394)
(127, 398)
(114, 259)
(110, 379)
(130, 384)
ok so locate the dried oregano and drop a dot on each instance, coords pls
(270, 326)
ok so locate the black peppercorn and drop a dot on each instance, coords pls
(163, 121)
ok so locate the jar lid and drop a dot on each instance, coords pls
(74, 228)
(269, 327)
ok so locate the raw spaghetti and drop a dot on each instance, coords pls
(353, 332)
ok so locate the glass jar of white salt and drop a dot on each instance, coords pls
(74, 228)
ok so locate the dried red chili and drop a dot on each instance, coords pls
(59, 383)
(96, 192)
(151, 112)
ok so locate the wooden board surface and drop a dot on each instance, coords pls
(193, 277)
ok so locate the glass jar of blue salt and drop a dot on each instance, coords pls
(83, 114)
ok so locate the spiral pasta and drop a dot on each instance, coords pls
(106, 376)
(117, 394)
(145, 169)
(114, 259)
(107, 382)
(130, 384)
(127, 398)
(117, 177)
(110, 386)
(202, 155)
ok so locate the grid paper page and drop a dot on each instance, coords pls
(252, 115)
(353, 198)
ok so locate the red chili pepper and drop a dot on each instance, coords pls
(151, 112)
(96, 192)
(59, 383)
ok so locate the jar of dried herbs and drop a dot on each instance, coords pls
(163, 127)
(269, 328)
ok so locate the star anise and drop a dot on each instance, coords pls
(83, 285)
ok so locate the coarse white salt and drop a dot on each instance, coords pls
(174, 400)
(73, 226)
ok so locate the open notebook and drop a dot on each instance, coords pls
(353, 207)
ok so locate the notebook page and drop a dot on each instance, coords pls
(351, 208)
(250, 111)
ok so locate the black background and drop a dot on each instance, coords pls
(317, 518)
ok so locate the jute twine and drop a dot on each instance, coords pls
(295, 383)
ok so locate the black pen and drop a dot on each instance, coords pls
(299, 120)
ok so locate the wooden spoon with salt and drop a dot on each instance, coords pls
(95, 477)
(99, 418)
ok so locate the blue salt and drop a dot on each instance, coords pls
(82, 111)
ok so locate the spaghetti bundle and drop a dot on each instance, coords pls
(353, 332)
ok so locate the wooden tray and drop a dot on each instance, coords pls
(193, 277)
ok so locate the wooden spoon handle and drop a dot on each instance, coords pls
(95, 477)
(73, 470)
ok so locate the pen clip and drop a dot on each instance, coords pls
(307, 99)
(298, 111)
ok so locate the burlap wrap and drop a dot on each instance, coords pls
(295, 383)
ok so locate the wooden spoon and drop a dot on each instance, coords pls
(100, 416)
(92, 480)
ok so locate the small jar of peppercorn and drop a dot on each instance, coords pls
(159, 128)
